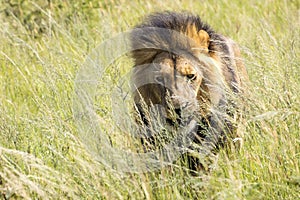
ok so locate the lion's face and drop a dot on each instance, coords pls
(180, 76)
(177, 85)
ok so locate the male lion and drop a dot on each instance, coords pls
(186, 68)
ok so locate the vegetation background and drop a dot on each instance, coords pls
(44, 43)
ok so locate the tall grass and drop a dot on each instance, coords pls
(44, 43)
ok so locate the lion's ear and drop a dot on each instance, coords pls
(203, 40)
(200, 38)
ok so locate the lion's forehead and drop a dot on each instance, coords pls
(183, 64)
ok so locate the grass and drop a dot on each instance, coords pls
(43, 46)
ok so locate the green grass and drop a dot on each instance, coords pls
(43, 47)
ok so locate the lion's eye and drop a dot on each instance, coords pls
(191, 77)
(159, 79)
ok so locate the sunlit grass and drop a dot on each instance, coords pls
(43, 47)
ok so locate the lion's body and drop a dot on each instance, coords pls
(179, 56)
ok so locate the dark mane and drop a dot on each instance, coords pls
(152, 37)
(175, 21)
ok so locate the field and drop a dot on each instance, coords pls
(42, 152)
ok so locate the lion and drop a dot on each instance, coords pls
(183, 65)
